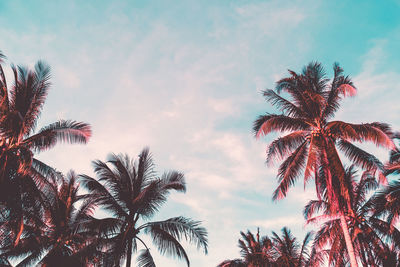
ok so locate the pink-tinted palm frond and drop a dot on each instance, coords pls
(271, 122)
(373, 132)
(312, 159)
(360, 157)
(290, 170)
(281, 147)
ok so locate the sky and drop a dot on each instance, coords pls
(184, 78)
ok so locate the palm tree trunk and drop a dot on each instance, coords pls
(129, 253)
(347, 238)
(333, 157)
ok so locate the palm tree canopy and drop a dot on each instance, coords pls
(57, 234)
(311, 136)
(276, 251)
(371, 235)
(132, 192)
(22, 177)
(20, 108)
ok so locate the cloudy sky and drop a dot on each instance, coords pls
(184, 78)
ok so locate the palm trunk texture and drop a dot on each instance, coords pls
(347, 238)
(333, 156)
(129, 253)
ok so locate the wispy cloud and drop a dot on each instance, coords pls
(189, 89)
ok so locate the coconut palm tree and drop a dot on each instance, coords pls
(312, 139)
(256, 251)
(277, 251)
(132, 193)
(371, 236)
(288, 250)
(21, 175)
(58, 235)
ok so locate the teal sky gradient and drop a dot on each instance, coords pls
(184, 77)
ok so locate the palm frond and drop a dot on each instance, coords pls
(173, 180)
(387, 201)
(282, 146)
(145, 259)
(167, 244)
(145, 169)
(287, 107)
(123, 167)
(103, 196)
(303, 255)
(360, 157)
(373, 132)
(61, 131)
(180, 227)
(268, 123)
(290, 170)
(39, 88)
(315, 206)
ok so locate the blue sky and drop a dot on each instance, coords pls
(184, 77)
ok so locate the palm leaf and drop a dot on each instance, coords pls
(179, 227)
(39, 88)
(103, 196)
(61, 131)
(290, 170)
(167, 244)
(360, 157)
(268, 123)
(282, 146)
(373, 132)
(145, 259)
(287, 107)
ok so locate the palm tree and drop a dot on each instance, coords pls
(370, 234)
(282, 250)
(313, 140)
(289, 252)
(21, 175)
(131, 192)
(58, 235)
(254, 251)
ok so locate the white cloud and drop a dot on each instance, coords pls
(180, 97)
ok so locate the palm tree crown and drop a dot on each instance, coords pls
(57, 235)
(21, 175)
(277, 251)
(132, 193)
(371, 235)
(312, 138)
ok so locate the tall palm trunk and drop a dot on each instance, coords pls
(336, 167)
(347, 238)
(129, 253)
